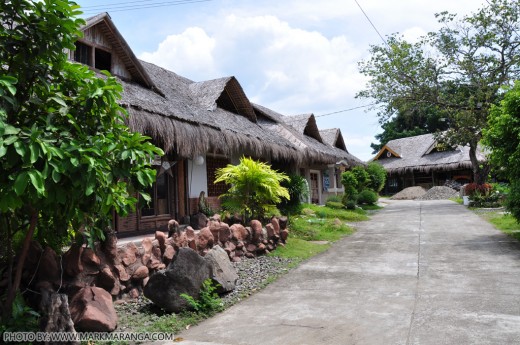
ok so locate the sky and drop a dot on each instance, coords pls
(292, 56)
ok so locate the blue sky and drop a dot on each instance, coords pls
(293, 56)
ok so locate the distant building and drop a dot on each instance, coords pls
(423, 161)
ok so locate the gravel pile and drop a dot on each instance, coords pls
(410, 193)
(439, 193)
(254, 274)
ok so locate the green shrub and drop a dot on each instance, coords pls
(298, 190)
(23, 318)
(334, 204)
(376, 176)
(334, 198)
(254, 188)
(362, 178)
(349, 181)
(208, 302)
(350, 204)
(368, 197)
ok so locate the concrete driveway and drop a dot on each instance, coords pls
(428, 272)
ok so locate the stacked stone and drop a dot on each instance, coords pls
(92, 279)
(239, 241)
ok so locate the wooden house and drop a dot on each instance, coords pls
(423, 161)
(201, 126)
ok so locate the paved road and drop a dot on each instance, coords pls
(417, 273)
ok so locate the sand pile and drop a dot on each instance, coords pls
(439, 193)
(409, 193)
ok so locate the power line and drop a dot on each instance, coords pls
(366, 16)
(117, 3)
(345, 110)
(121, 8)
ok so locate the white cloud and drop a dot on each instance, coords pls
(189, 53)
(299, 56)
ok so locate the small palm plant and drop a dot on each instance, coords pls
(254, 188)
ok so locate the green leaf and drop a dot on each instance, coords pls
(11, 130)
(140, 178)
(56, 176)
(9, 82)
(10, 140)
(20, 148)
(91, 185)
(34, 152)
(74, 161)
(21, 183)
(37, 181)
(59, 101)
(146, 197)
(3, 151)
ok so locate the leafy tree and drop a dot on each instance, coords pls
(376, 176)
(67, 160)
(254, 187)
(458, 71)
(350, 182)
(414, 120)
(362, 178)
(503, 137)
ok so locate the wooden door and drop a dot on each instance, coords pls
(315, 188)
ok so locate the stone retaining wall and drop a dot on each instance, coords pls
(123, 271)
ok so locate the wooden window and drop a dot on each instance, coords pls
(93, 57)
(160, 195)
(83, 54)
(103, 60)
(212, 164)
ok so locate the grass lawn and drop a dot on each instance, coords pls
(312, 231)
(503, 222)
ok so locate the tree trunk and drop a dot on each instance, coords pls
(480, 170)
(11, 293)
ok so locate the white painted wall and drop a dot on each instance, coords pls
(197, 179)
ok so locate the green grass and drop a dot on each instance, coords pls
(311, 228)
(503, 222)
(299, 249)
(345, 215)
(317, 223)
(458, 200)
(371, 207)
(153, 319)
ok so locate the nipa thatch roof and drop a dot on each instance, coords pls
(333, 137)
(293, 131)
(191, 118)
(417, 154)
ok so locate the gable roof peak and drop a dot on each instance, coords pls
(226, 93)
(121, 48)
(305, 124)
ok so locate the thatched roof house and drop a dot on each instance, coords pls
(422, 160)
(201, 126)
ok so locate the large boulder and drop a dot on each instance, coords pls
(257, 231)
(185, 274)
(222, 271)
(72, 260)
(238, 232)
(92, 310)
